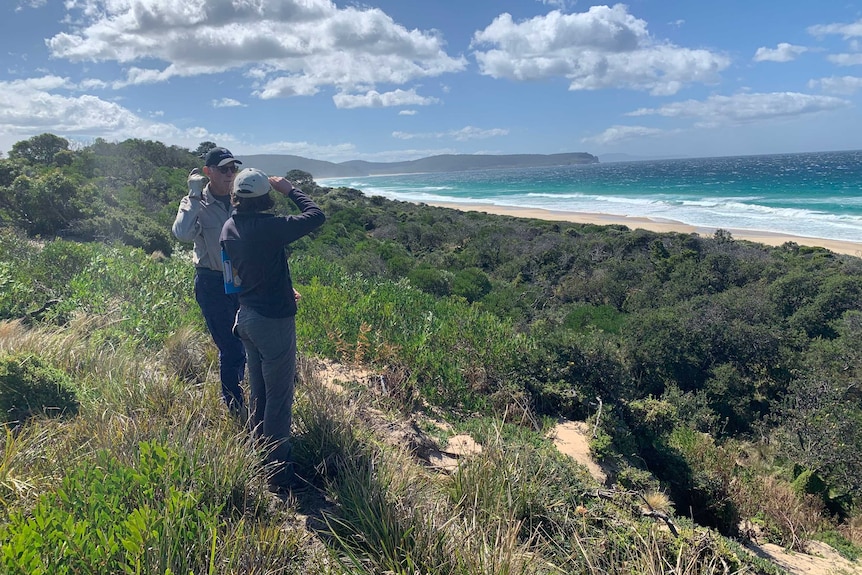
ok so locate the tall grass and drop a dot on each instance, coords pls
(151, 476)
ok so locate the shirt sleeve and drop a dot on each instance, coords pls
(311, 218)
(185, 226)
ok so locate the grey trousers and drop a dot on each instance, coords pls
(270, 346)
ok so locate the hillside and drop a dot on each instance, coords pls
(281, 164)
(718, 380)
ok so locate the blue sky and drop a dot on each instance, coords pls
(394, 80)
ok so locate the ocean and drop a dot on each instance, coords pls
(814, 195)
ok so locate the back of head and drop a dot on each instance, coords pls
(251, 191)
(251, 183)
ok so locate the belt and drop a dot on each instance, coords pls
(208, 272)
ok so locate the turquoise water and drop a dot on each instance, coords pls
(816, 195)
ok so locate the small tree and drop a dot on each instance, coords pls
(39, 149)
(300, 178)
(203, 148)
(820, 422)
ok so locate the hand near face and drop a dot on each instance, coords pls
(196, 183)
(281, 185)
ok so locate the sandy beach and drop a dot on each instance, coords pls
(763, 237)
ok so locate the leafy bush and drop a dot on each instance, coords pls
(30, 386)
(603, 317)
(809, 482)
(472, 284)
(846, 547)
(110, 517)
(128, 228)
(431, 280)
(702, 482)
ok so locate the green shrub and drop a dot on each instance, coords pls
(431, 280)
(635, 479)
(840, 543)
(132, 229)
(109, 517)
(601, 446)
(603, 317)
(809, 482)
(472, 284)
(30, 386)
(700, 474)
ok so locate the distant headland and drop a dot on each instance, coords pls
(279, 164)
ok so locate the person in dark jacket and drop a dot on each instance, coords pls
(254, 242)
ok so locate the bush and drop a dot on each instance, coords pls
(701, 476)
(431, 280)
(603, 317)
(472, 284)
(131, 229)
(29, 386)
(808, 482)
(110, 517)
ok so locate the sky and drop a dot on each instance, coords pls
(392, 80)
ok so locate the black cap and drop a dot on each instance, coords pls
(219, 157)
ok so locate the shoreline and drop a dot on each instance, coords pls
(762, 237)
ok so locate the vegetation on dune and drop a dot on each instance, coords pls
(722, 373)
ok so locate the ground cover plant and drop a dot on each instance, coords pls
(723, 374)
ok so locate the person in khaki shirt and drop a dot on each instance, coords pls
(200, 218)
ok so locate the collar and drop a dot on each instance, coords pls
(210, 198)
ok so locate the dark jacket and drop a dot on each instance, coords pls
(255, 242)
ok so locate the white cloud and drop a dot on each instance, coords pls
(374, 99)
(616, 134)
(92, 84)
(557, 3)
(605, 47)
(407, 112)
(30, 4)
(746, 108)
(784, 52)
(462, 135)
(334, 152)
(138, 76)
(36, 105)
(846, 30)
(294, 48)
(472, 133)
(227, 103)
(337, 152)
(846, 59)
(844, 85)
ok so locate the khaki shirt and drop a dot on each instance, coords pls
(201, 221)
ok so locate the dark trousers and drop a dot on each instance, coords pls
(219, 311)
